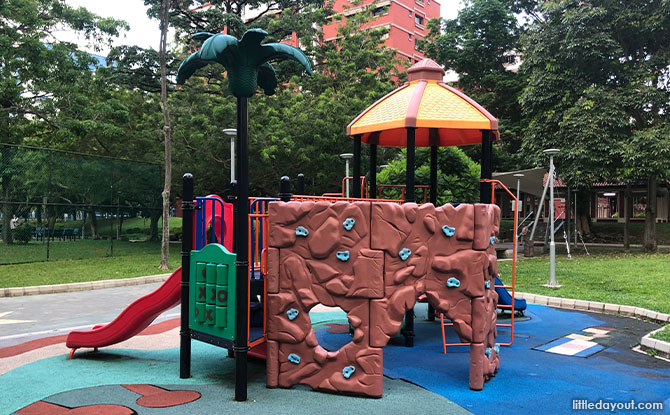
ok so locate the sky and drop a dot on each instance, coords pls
(144, 32)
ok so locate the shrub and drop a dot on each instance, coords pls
(24, 233)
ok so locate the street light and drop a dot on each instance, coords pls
(232, 133)
(552, 245)
(347, 157)
(516, 207)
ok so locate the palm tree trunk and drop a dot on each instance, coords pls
(650, 215)
(165, 244)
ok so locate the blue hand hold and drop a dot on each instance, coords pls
(348, 223)
(342, 256)
(448, 230)
(301, 231)
(487, 284)
(492, 240)
(496, 347)
(292, 314)
(348, 371)
(488, 352)
(453, 282)
(404, 253)
(294, 358)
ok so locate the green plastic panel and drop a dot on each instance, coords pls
(212, 291)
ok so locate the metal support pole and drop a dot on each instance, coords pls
(552, 244)
(373, 171)
(300, 188)
(187, 207)
(516, 207)
(576, 220)
(408, 332)
(568, 216)
(356, 182)
(487, 168)
(241, 249)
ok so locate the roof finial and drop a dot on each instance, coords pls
(425, 69)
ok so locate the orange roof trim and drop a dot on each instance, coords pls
(424, 103)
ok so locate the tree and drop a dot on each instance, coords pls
(165, 244)
(598, 89)
(476, 45)
(37, 72)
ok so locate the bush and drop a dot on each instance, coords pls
(24, 233)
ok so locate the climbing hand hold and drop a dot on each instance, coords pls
(404, 253)
(342, 256)
(448, 230)
(292, 313)
(348, 371)
(453, 282)
(492, 240)
(301, 231)
(348, 223)
(496, 347)
(294, 358)
(488, 352)
(487, 284)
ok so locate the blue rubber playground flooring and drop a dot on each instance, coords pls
(418, 380)
(532, 381)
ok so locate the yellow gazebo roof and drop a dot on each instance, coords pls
(442, 115)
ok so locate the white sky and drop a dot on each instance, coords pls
(144, 32)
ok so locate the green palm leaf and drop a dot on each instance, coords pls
(245, 60)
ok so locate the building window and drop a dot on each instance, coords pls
(409, 36)
(418, 20)
(419, 3)
(409, 12)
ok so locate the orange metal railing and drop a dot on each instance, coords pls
(424, 188)
(512, 287)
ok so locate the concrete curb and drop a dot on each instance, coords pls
(81, 286)
(605, 308)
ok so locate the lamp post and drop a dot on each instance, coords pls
(232, 133)
(347, 157)
(516, 207)
(552, 245)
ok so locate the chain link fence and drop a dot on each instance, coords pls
(64, 205)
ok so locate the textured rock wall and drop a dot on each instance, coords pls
(373, 259)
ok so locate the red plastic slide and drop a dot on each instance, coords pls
(135, 318)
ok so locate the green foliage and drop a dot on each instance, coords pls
(457, 175)
(24, 233)
(598, 88)
(475, 45)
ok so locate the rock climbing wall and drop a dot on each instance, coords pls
(373, 259)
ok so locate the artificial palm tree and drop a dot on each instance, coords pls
(247, 65)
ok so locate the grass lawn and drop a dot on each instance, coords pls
(91, 269)
(663, 334)
(635, 279)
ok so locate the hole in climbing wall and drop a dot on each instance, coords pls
(331, 326)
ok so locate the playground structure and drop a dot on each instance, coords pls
(372, 258)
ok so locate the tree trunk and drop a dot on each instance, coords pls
(165, 244)
(153, 226)
(628, 201)
(584, 212)
(94, 225)
(7, 208)
(650, 215)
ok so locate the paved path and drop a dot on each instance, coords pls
(28, 317)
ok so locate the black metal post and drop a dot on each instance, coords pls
(187, 207)
(373, 171)
(487, 168)
(408, 331)
(356, 182)
(300, 188)
(242, 263)
(285, 189)
(433, 200)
